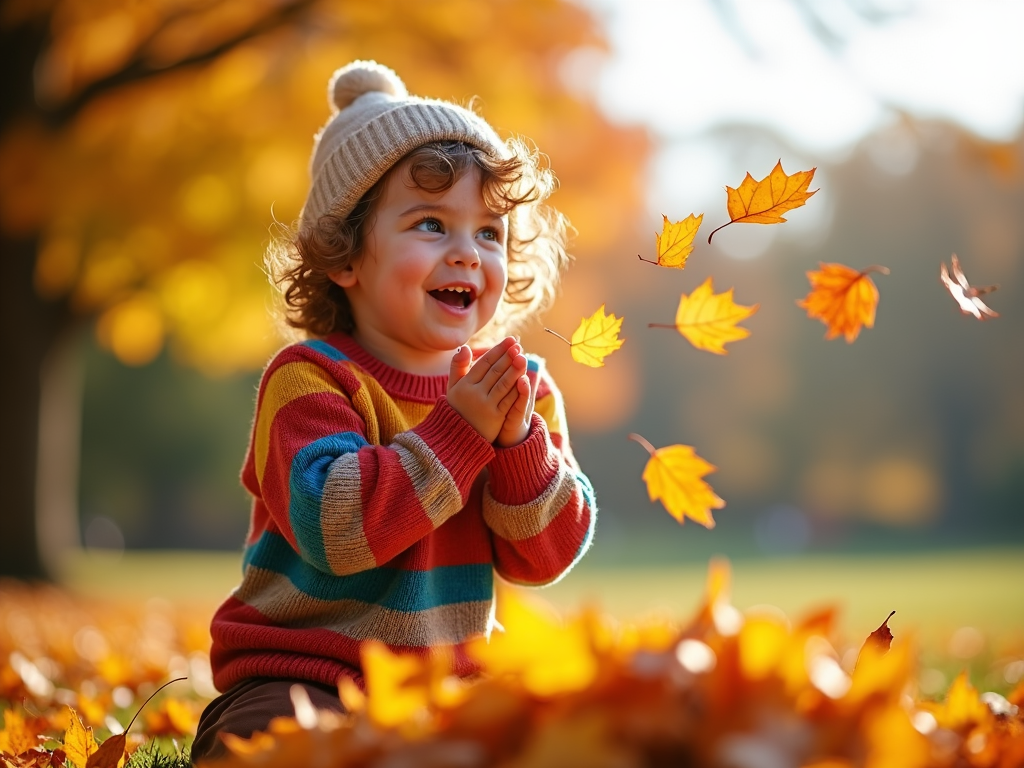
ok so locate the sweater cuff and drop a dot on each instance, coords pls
(459, 447)
(520, 474)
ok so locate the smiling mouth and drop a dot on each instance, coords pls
(460, 298)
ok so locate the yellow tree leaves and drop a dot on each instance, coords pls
(842, 298)
(764, 201)
(675, 242)
(596, 337)
(673, 476)
(708, 320)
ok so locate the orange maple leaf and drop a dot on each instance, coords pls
(675, 242)
(19, 733)
(708, 320)
(842, 298)
(966, 295)
(673, 475)
(764, 201)
(596, 337)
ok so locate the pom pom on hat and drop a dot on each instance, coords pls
(364, 137)
(353, 80)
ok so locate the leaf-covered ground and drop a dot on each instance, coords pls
(721, 687)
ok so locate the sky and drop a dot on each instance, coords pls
(819, 75)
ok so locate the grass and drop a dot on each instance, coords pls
(934, 594)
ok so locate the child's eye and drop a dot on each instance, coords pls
(490, 234)
(429, 225)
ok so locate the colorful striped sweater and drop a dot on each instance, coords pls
(380, 513)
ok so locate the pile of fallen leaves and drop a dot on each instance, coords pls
(727, 688)
(73, 670)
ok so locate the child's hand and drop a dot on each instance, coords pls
(517, 420)
(483, 392)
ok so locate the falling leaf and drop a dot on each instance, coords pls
(675, 242)
(673, 475)
(595, 339)
(764, 201)
(879, 641)
(708, 320)
(966, 296)
(842, 298)
(79, 742)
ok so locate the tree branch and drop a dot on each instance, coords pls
(139, 68)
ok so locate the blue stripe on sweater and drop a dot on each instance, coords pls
(588, 496)
(325, 349)
(391, 588)
(309, 470)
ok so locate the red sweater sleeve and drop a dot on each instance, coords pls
(537, 504)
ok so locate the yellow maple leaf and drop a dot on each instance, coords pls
(764, 201)
(673, 475)
(399, 686)
(675, 242)
(549, 656)
(79, 742)
(842, 298)
(595, 339)
(708, 320)
(963, 707)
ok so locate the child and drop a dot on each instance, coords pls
(395, 464)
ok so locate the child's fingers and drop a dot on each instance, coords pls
(520, 400)
(487, 360)
(462, 361)
(508, 402)
(503, 374)
(500, 367)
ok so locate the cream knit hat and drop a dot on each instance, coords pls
(374, 125)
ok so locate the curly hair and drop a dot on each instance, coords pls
(299, 262)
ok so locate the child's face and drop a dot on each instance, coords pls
(430, 275)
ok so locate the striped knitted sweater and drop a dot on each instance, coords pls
(380, 513)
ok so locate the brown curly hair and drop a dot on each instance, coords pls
(298, 263)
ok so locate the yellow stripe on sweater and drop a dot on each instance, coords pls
(289, 382)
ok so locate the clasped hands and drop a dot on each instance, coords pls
(493, 393)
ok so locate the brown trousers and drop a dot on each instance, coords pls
(249, 706)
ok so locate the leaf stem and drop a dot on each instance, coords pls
(154, 693)
(715, 230)
(655, 262)
(556, 333)
(643, 441)
(662, 325)
(875, 268)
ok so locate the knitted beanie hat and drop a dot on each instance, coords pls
(375, 123)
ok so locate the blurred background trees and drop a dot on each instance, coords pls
(148, 148)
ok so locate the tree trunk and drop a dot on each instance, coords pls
(29, 328)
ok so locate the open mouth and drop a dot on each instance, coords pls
(454, 296)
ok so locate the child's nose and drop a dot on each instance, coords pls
(463, 252)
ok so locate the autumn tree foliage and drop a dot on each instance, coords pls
(146, 148)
